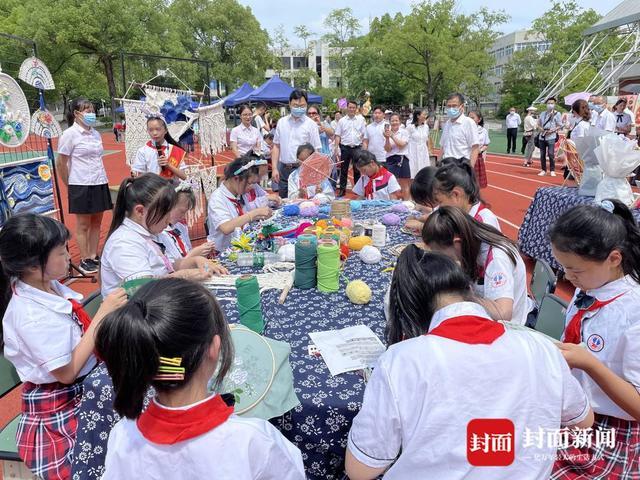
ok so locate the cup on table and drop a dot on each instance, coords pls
(134, 282)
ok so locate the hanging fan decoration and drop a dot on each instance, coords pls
(34, 72)
(14, 113)
(45, 125)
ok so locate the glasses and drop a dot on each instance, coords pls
(312, 113)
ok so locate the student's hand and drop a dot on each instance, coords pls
(111, 302)
(275, 175)
(163, 161)
(275, 198)
(577, 356)
(414, 225)
(202, 250)
(261, 213)
(217, 269)
(204, 267)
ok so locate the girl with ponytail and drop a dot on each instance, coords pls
(48, 337)
(172, 335)
(161, 154)
(143, 209)
(598, 247)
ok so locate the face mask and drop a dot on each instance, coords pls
(598, 108)
(453, 112)
(298, 111)
(89, 119)
(512, 112)
(590, 105)
(551, 106)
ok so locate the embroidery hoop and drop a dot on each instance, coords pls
(16, 107)
(45, 125)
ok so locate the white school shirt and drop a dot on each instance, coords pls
(606, 121)
(292, 132)
(147, 159)
(352, 131)
(260, 124)
(513, 120)
(401, 134)
(483, 136)
(425, 390)
(84, 149)
(459, 136)
(171, 243)
(221, 210)
(484, 215)
(622, 119)
(246, 138)
(379, 193)
(612, 334)
(39, 333)
(256, 197)
(130, 251)
(580, 130)
(293, 185)
(242, 448)
(376, 140)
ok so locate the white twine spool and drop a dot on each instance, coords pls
(379, 235)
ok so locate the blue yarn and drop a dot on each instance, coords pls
(322, 216)
(375, 203)
(291, 210)
(356, 205)
(325, 209)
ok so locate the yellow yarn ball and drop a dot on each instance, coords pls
(358, 292)
(356, 243)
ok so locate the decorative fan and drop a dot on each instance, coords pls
(34, 72)
(315, 170)
(45, 125)
(14, 113)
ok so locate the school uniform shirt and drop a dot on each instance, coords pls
(513, 120)
(623, 119)
(459, 136)
(239, 448)
(383, 186)
(84, 149)
(482, 214)
(425, 390)
(222, 208)
(260, 124)
(606, 121)
(295, 192)
(131, 250)
(176, 241)
(147, 159)
(375, 134)
(580, 130)
(401, 134)
(40, 333)
(612, 334)
(352, 131)
(256, 197)
(292, 132)
(246, 138)
(483, 136)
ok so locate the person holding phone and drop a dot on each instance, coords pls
(549, 123)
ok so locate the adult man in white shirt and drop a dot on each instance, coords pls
(350, 137)
(375, 134)
(459, 133)
(291, 132)
(606, 120)
(513, 121)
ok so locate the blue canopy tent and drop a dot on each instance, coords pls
(244, 90)
(273, 90)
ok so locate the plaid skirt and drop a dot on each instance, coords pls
(618, 459)
(481, 172)
(47, 430)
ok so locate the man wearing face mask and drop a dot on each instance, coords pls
(513, 121)
(459, 133)
(292, 131)
(549, 123)
(606, 120)
(350, 137)
(594, 114)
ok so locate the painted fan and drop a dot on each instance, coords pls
(315, 170)
(14, 113)
(34, 72)
(45, 125)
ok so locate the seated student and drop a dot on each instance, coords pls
(256, 196)
(489, 258)
(176, 341)
(43, 331)
(455, 185)
(132, 248)
(445, 351)
(422, 194)
(226, 213)
(376, 182)
(267, 145)
(304, 151)
(161, 155)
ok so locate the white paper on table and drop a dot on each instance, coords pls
(349, 349)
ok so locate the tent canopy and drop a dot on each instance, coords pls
(243, 91)
(273, 90)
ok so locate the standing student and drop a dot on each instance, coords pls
(599, 249)
(245, 139)
(161, 155)
(581, 111)
(549, 123)
(376, 182)
(48, 337)
(324, 189)
(418, 151)
(624, 122)
(458, 366)
(261, 119)
(142, 211)
(186, 432)
(396, 145)
(81, 168)
(459, 133)
(513, 122)
(489, 258)
(483, 136)
(375, 134)
(226, 213)
(422, 195)
(350, 137)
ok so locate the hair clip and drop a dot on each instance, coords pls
(184, 187)
(170, 369)
(607, 205)
(244, 167)
(260, 161)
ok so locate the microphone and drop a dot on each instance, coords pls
(159, 150)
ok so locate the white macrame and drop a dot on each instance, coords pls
(194, 180)
(212, 129)
(156, 96)
(209, 178)
(136, 121)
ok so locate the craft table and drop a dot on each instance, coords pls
(320, 424)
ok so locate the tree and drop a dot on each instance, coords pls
(281, 46)
(342, 26)
(522, 80)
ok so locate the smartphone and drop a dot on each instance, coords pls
(387, 126)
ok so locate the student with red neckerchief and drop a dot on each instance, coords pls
(447, 364)
(376, 182)
(161, 154)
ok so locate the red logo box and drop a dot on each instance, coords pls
(490, 442)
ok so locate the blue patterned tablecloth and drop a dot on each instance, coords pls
(547, 205)
(318, 426)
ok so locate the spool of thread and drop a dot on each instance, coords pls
(379, 236)
(306, 255)
(340, 208)
(249, 308)
(328, 268)
(333, 232)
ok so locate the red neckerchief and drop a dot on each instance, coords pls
(166, 427)
(79, 315)
(251, 195)
(176, 154)
(369, 188)
(477, 215)
(573, 331)
(470, 329)
(238, 204)
(177, 238)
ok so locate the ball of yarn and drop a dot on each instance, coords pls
(356, 205)
(358, 292)
(291, 210)
(325, 209)
(309, 211)
(287, 253)
(370, 255)
(399, 208)
(306, 204)
(356, 243)
(346, 222)
(409, 204)
(390, 219)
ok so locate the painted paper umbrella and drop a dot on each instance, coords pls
(14, 113)
(34, 72)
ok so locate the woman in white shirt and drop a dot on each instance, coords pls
(245, 138)
(418, 151)
(81, 168)
(396, 145)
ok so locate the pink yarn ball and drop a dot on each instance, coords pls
(346, 222)
(391, 219)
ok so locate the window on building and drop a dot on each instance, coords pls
(333, 64)
(300, 62)
(319, 65)
(286, 62)
(335, 82)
